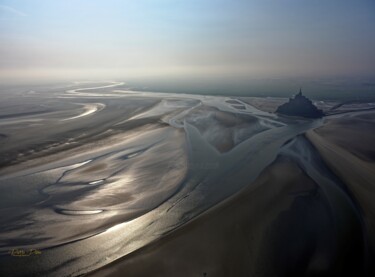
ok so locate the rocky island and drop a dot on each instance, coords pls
(300, 105)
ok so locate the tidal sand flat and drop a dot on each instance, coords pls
(187, 138)
(280, 225)
(104, 181)
(347, 145)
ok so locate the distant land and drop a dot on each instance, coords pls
(340, 88)
(343, 89)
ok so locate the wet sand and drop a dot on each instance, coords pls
(102, 187)
(353, 133)
(185, 184)
(277, 226)
(346, 145)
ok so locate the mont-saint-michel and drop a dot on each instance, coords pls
(159, 138)
(300, 105)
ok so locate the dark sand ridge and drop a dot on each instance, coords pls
(355, 134)
(278, 226)
(347, 146)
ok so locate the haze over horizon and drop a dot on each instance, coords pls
(191, 45)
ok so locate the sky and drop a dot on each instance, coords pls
(210, 41)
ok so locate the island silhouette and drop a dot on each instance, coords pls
(300, 105)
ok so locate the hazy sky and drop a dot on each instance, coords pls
(174, 38)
